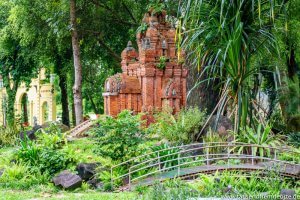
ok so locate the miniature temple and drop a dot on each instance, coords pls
(152, 77)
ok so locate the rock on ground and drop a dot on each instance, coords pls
(67, 180)
(86, 170)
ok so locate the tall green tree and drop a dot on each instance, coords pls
(43, 23)
(290, 51)
(17, 65)
(77, 88)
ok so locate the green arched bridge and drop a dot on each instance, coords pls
(193, 159)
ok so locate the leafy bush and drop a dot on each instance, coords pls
(53, 161)
(262, 137)
(118, 138)
(168, 157)
(28, 152)
(105, 176)
(182, 128)
(294, 139)
(236, 184)
(173, 189)
(157, 6)
(142, 28)
(19, 176)
(162, 63)
(8, 135)
(45, 155)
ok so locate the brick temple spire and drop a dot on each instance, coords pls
(152, 77)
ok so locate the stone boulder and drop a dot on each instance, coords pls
(30, 134)
(221, 125)
(95, 183)
(287, 194)
(87, 170)
(67, 180)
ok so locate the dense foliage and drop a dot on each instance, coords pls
(230, 184)
(45, 155)
(183, 127)
(118, 138)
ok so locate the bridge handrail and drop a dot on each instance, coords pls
(202, 147)
(205, 147)
(194, 144)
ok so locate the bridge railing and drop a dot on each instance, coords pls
(198, 154)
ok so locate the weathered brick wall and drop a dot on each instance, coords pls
(142, 86)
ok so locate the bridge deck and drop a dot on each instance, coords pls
(287, 170)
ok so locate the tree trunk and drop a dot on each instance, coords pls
(64, 99)
(96, 110)
(204, 96)
(10, 111)
(77, 65)
(73, 115)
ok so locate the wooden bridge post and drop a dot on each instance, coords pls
(159, 164)
(228, 152)
(207, 155)
(129, 181)
(252, 159)
(178, 163)
(111, 178)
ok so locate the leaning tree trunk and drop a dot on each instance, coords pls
(77, 65)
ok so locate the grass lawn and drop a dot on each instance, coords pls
(83, 148)
(88, 195)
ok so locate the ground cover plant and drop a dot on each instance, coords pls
(230, 184)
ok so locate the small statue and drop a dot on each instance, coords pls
(35, 121)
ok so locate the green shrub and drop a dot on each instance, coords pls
(118, 138)
(168, 157)
(52, 161)
(19, 176)
(216, 185)
(28, 152)
(294, 139)
(261, 136)
(105, 175)
(182, 128)
(162, 63)
(142, 28)
(157, 6)
(173, 189)
(8, 135)
(45, 155)
(107, 187)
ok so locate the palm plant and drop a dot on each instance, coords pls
(263, 138)
(223, 39)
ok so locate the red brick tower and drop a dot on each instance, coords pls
(151, 78)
